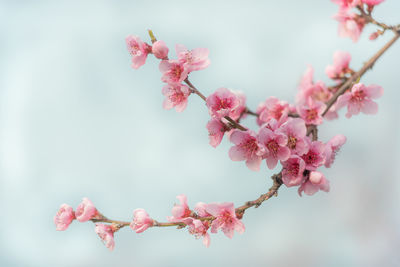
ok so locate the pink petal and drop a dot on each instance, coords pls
(369, 107)
(237, 154)
(254, 163)
(283, 153)
(271, 162)
(238, 137)
(374, 91)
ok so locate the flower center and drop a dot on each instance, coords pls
(273, 146)
(311, 114)
(358, 96)
(292, 142)
(250, 146)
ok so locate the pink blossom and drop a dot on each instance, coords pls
(106, 233)
(196, 59)
(315, 157)
(350, 25)
(216, 130)
(176, 95)
(225, 219)
(316, 181)
(198, 229)
(332, 148)
(141, 221)
(160, 49)
(246, 148)
(173, 71)
(181, 210)
(340, 65)
(138, 49)
(360, 99)
(295, 130)
(292, 171)
(372, 2)
(310, 91)
(272, 108)
(274, 144)
(347, 4)
(65, 215)
(317, 92)
(224, 102)
(200, 209)
(312, 113)
(85, 210)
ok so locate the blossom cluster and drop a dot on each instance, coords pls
(286, 134)
(84, 212)
(204, 217)
(352, 24)
(174, 71)
(282, 136)
(213, 216)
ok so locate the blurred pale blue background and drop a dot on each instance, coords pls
(76, 120)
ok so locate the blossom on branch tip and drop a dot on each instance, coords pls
(138, 49)
(65, 215)
(350, 25)
(106, 233)
(180, 211)
(176, 96)
(160, 49)
(85, 210)
(225, 218)
(246, 148)
(173, 71)
(141, 221)
(196, 59)
(315, 182)
(359, 99)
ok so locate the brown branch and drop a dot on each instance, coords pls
(273, 191)
(369, 19)
(368, 65)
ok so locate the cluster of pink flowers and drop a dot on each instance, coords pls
(352, 24)
(198, 220)
(204, 217)
(282, 136)
(287, 133)
(174, 71)
(65, 215)
(87, 211)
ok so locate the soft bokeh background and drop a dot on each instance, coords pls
(76, 120)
